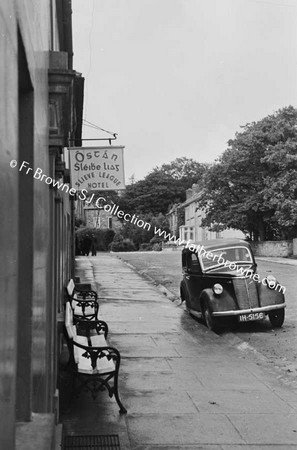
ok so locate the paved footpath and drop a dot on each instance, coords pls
(184, 388)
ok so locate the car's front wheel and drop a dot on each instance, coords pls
(277, 317)
(209, 320)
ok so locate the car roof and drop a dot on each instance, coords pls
(219, 243)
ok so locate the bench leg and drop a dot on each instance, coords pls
(122, 408)
(116, 394)
(96, 383)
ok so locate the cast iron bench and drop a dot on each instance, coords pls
(84, 302)
(95, 364)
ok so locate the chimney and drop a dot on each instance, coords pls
(195, 188)
(189, 193)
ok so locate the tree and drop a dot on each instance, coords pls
(119, 244)
(183, 169)
(162, 187)
(253, 185)
(141, 236)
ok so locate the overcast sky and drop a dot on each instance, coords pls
(179, 77)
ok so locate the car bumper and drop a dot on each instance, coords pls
(265, 309)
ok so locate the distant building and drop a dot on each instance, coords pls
(174, 218)
(192, 228)
(99, 218)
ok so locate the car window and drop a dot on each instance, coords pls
(193, 263)
(219, 257)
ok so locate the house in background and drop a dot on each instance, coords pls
(175, 218)
(99, 218)
(192, 228)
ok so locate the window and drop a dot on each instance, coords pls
(195, 267)
(109, 222)
(218, 257)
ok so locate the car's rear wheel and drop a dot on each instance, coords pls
(209, 320)
(277, 317)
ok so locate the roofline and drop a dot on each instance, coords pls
(190, 200)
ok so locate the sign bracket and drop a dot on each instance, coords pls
(95, 139)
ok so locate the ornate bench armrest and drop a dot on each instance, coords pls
(88, 325)
(84, 294)
(98, 353)
(85, 309)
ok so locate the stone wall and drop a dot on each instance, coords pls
(281, 249)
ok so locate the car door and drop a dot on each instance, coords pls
(193, 280)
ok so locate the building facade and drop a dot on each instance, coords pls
(192, 228)
(175, 218)
(99, 218)
(41, 109)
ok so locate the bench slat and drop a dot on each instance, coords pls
(104, 365)
(98, 340)
(78, 352)
(71, 329)
(70, 287)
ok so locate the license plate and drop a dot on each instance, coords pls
(251, 316)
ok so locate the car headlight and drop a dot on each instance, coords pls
(271, 281)
(217, 288)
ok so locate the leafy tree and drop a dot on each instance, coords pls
(79, 222)
(253, 185)
(119, 244)
(281, 184)
(162, 187)
(141, 236)
(101, 238)
(183, 168)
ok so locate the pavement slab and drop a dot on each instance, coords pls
(257, 447)
(184, 386)
(150, 401)
(238, 402)
(182, 429)
(266, 428)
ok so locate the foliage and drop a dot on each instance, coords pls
(119, 244)
(104, 238)
(145, 247)
(156, 243)
(139, 235)
(79, 222)
(162, 187)
(100, 238)
(253, 185)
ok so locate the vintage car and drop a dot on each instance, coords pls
(221, 285)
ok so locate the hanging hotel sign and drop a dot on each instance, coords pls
(97, 168)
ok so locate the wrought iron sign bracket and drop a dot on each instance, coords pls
(96, 139)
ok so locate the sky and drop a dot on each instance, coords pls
(179, 78)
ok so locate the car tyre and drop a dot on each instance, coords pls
(209, 320)
(277, 317)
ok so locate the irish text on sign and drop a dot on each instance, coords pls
(97, 168)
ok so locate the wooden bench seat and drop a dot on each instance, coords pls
(95, 363)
